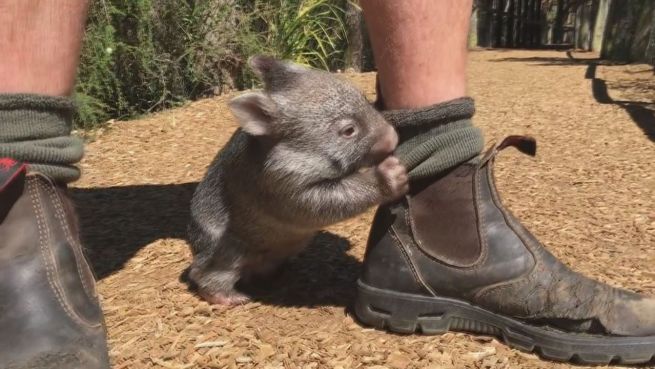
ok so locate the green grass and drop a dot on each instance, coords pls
(141, 56)
(310, 32)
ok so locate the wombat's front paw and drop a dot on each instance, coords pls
(393, 176)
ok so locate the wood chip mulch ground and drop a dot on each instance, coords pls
(589, 195)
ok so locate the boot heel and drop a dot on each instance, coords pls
(407, 313)
(400, 312)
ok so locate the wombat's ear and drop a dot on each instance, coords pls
(263, 65)
(255, 112)
(273, 72)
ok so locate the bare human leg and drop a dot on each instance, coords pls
(420, 49)
(40, 45)
(51, 314)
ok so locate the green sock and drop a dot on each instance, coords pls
(36, 129)
(436, 138)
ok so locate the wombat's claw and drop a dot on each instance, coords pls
(222, 298)
(394, 174)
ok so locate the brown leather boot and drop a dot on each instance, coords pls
(49, 311)
(450, 256)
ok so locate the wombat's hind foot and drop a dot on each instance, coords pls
(217, 287)
(224, 298)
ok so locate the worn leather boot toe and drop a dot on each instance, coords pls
(49, 311)
(450, 256)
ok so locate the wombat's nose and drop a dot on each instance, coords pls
(385, 143)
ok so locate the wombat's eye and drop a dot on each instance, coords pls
(348, 131)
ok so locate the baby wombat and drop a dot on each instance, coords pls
(311, 151)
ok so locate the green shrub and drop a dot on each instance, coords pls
(141, 56)
(310, 32)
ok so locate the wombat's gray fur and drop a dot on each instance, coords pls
(311, 151)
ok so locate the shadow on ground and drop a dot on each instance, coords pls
(322, 275)
(568, 59)
(116, 222)
(642, 113)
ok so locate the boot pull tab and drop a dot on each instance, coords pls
(12, 178)
(10, 171)
(525, 144)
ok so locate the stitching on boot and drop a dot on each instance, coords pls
(480, 218)
(520, 280)
(409, 222)
(48, 258)
(403, 249)
(36, 206)
(85, 321)
(509, 219)
(525, 278)
(507, 215)
(59, 213)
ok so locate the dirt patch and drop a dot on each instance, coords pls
(589, 195)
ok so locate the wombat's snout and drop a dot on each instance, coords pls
(386, 142)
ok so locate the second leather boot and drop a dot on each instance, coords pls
(450, 256)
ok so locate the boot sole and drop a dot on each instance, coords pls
(407, 313)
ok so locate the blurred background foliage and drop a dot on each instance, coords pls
(141, 56)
